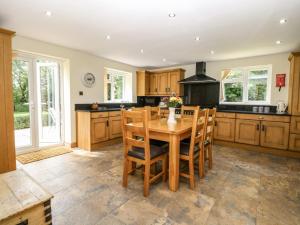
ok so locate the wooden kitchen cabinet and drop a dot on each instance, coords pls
(294, 143)
(295, 125)
(162, 83)
(99, 130)
(96, 129)
(7, 142)
(153, 84)
(143, 83)
(247, 131)
(274, 134)
(294, 84)
(224, 129)
(173, 85)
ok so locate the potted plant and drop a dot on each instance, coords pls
(172, 104)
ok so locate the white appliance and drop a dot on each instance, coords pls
(281, 107)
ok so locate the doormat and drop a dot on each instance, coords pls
(42, 154)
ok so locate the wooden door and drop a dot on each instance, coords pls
(173, 85)
(274, 134)
(294, 143)
(224, 129)
(153, 84)
(7, 144)
(247, 131)
(99, 130)
(142, 83)
(115, 128)
(294, 85)
(162, 83)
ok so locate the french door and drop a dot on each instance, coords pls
(37, 108)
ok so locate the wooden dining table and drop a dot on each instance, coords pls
(159, 129)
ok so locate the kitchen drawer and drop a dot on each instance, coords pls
(294, 142)
(114, 113)
(295, 125)
(225, 115)
(286, 119)
(95, 115)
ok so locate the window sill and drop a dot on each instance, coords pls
(246, 103)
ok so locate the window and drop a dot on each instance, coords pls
(248, 85)
(117, 86)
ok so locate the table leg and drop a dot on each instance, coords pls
(174, 162)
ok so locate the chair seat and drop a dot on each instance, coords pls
(155, 151)
(184, 148)
(158, 143)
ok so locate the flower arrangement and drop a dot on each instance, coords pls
(174, 102)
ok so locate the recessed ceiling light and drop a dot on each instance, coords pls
(172, 15)
(164, 60)
(107, 37)
(278, 42)
(48, 13)
(197, 38)
(283, 21)
(142, 51)
(212, 52)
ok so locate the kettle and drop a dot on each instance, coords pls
(281, 107)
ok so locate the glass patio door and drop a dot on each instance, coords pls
(37, 113)
(48, 99)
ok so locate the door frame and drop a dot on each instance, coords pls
(32, 58)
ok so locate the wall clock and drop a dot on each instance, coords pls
(88, 80)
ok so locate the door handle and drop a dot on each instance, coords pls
(257, 127)
(216, 123)
(263, 128)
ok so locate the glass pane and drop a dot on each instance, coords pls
(232, 74)
(108, 91)
(258, 74)
(257, 89)
(118, 87)
(20, 70)
(233, 92)
(48, 100)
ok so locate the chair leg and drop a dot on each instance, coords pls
(125, 172)
(164, 168)
(210, 156)
(133, 168)
(192, 174)
(147, 179)
(201, 163)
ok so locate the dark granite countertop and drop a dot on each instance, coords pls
(99, 110)
(251, 112)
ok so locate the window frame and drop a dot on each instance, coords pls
(245, 83)
(127, 78)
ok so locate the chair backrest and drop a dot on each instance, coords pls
(154, 112)
(164, 113)
(198, 129)
(188, 111)
(210, 124)
(132, 131)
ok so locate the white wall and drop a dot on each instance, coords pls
(279, 62)
(76, 64)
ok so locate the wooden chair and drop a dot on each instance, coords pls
(208, 143)
(154, 112)
(137, 148)
(192, 150)
(188, 111)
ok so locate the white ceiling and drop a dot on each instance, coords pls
(232, 28)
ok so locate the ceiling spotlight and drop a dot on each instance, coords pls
(164, 60)
(212, 52)
(142, 51)
(108, 37)
(278, 42)
(283, 21)
(172, 15)
(197, 38)
(48, 13)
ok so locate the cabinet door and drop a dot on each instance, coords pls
(162, 83)
(115, 129)
(295, 125)
(294, 142)
(153, 84)
(173, 85)
(224, 129)
(294, 93)
(142, 83)
(247, 131)
(99, 130)
(274, 134)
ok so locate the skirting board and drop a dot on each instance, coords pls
(279, 152)
(71, 145)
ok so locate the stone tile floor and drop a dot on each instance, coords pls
(242, 188)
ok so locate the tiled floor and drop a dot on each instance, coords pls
(242, 188)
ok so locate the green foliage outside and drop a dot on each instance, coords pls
(233, 92)
(118, 87)
(22, 120)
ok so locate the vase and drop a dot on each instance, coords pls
(171, 118)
